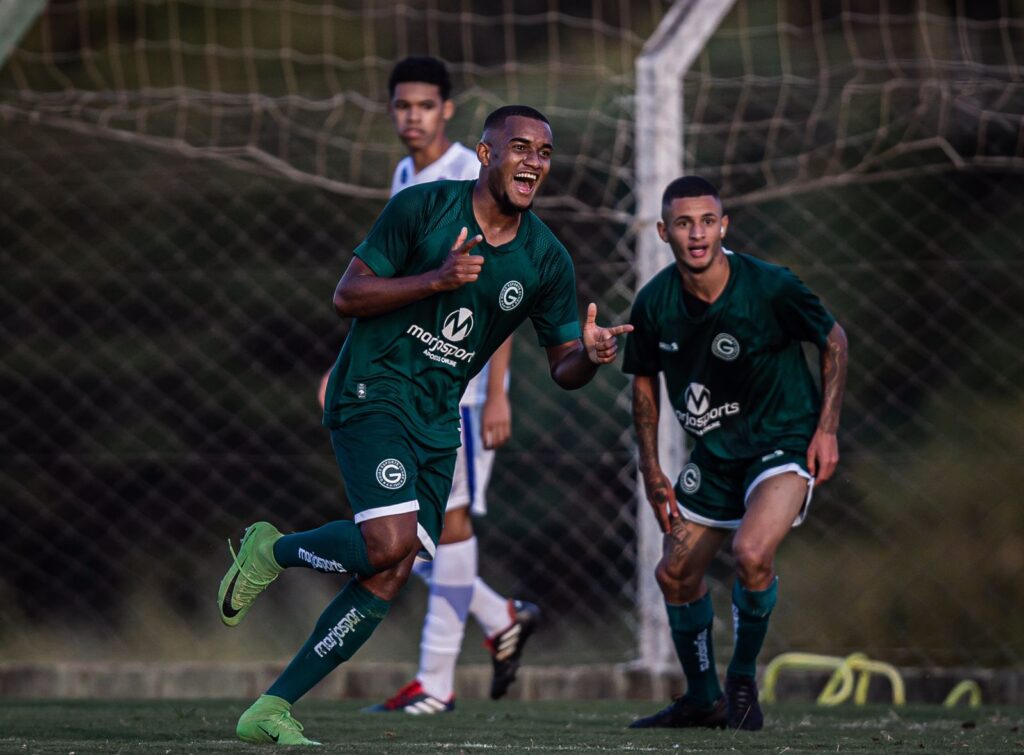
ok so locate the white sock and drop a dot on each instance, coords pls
(451, 588)
(489, 608)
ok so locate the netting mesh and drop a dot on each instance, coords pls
(877, 149)
(182, 183)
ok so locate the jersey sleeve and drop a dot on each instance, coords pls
(801, 312)
(392, 238)
(555, 317)
(641, 353)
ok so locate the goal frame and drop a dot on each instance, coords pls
(663, 61)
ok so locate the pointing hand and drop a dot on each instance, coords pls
(600, 343)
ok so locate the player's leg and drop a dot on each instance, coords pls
(507, 624)
(449, 578)
(775, 501)
(343, 627)
(382, 467)
(688, 550)
(338, 546)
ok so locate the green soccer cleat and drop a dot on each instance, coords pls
(269, 721)
(253, 570)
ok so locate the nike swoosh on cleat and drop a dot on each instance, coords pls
(273, 737)
(226, 606)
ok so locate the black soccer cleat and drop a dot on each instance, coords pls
(507, 645)
(681, 713)
(744, 709)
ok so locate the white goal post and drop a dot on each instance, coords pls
(659, 159)
(16, 16)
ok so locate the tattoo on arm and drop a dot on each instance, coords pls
(833, 379)
(645, 419)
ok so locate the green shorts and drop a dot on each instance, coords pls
(388, 472)
(714, 492)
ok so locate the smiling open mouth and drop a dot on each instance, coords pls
(525, 181)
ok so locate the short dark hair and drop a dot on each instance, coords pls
(688, 186)
(421, 69)
(498, 117)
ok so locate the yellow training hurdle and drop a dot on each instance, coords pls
(851, 676)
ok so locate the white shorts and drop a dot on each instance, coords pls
(472, 466)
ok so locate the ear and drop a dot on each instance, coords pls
(725, 225)
(663, 231)
(483, 153)
(447, 110)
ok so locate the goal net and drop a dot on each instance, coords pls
(182, 183)
(878, 150)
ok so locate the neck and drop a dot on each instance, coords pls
(709, 283)
(430, 154)
(498, 223)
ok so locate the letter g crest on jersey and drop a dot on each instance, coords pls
(725, 347)
(510, 296)
(391, 474)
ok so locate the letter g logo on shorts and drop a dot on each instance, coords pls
(689, 478)
(391, 474)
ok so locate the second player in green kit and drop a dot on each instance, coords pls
(725, 332)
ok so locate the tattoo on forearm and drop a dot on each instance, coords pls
(645, 419)
(833, 379)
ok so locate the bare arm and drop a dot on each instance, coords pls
(823, 452)
(361, 293)
(646, 412)
(496, 419)
(573, 364)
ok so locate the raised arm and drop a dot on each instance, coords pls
(658, 487)
(573, 364)
(823, 452)
(361, 293)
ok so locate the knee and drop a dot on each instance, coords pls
(755, 563)
(677, 583)
(387, 583)
(389, 549)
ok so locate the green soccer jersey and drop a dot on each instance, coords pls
(736, 374)
(414, 362)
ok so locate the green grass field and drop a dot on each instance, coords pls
(169, 727)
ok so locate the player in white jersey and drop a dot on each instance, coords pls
(420, 106)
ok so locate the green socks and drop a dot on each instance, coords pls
(691, 634)
(335, 547)
(340, 631)
(750, 611)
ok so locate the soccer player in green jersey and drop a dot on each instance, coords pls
(446, 274)
(725, 331)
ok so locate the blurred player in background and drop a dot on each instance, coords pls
(726, 330)
(428, 315)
